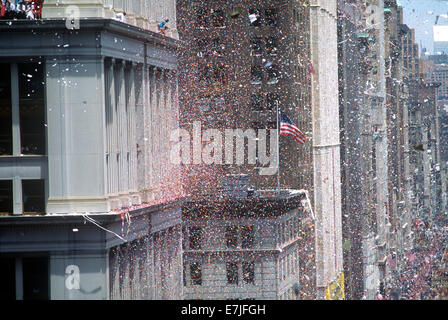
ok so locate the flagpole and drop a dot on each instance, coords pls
(278, 150)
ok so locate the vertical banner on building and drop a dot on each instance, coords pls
(335, 290)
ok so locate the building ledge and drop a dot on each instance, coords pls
(87, 24)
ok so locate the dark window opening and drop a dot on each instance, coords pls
(256, 75)
(272, 100)
(256, 102)
(5, 110)
(271, 17)
(254, 17)
(217, 46)
(35, 279)
(201, 45)
(232, 272)
(184, 234)
(205, 73)
(249, 272)
(32, 108)
(272, 74)
(6, 201)
(247, 236)
(8, 270)
(202, 18)
(231, 236)
(256, 46)
(220, 73)
(218, 18)
(196, 273)
(271, 46)
(33, 196)
(195, 238)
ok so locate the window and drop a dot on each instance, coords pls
(218, 18)
(202, 19)
(231, 236)
(184, 275)
(196, 273)
(195, 238)
(33, 196)
(271, 17)
(201, 45)
(247, 237)
(271, 45)
(6, 197)
(5, 111)
(272, 100)
(254, 17)
(256, 75)
(256, 101)
(218, 46)
(256, 46)
(232, 273)
(32, 108)
(249, 272)
(219, 73)
(273, 73)
(184, 233)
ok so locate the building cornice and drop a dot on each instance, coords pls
(88, 24)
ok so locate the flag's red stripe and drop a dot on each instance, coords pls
(293, 128)
(302, 137)
(298, 139)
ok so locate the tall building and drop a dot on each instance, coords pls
(243, 60)
(89, 198)
(358, 213)
(326, 143)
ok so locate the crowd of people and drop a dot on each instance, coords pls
(21, 9)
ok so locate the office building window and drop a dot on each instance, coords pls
(271, 17)
(218, 18)
(33, 192)
(217, 46)
(272, 100)
(256, 101)
(254, 17)
(5, 110)
(271, 46)
(256, 46)
(231, 236)
(249, 272)
(201, 18)
(247, 237)
(273, 74)
(196, 273)
(195, 238)
(32, 108)
(256, 75)
(232, 272)
(6, 197)
(184, 236)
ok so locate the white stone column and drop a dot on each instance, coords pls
(114, 169)
(110, 106)
(154, 159)
(327, 183)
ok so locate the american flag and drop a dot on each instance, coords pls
(288, 128)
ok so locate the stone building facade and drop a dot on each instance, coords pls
(248, 248)
(84, 169)
(243, 60)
